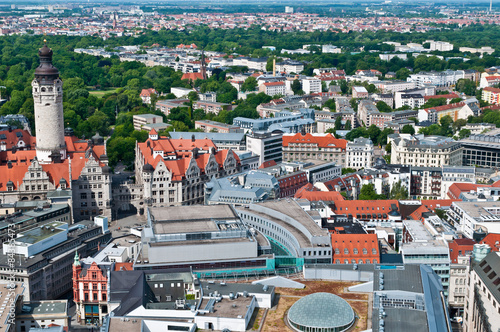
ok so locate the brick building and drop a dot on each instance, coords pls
(90, 286)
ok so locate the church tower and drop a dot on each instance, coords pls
(49, 118)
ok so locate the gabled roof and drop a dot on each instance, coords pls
(457, 188)
(313, 194)
(192, 76)
(447, 107)
(493, 240)
(12, 137)
(147, 92)
(490, 89)
(447, 96)
(323, 141)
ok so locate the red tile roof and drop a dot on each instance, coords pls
(77, 151)
(355, 243)
(494, 90)
(182, 150)
(12, 139)
(148, 92)
(447, 107)
(268, 163)
(366, 207)
(460, 247)
(433, 204)
(447, 96)
(324, 141)
(274, 83)
(313, 194)
(457, 188)
(493, 240)
(192, 76)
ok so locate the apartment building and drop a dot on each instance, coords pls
(141, 120)
(314, 146)
(166, 105)
(460, 254)
(483, 296)
(209, 126)
(359, 154)
(413, 100)
(311, 85)
(424, 151)
(439, 79)
(273, 88)
(212, 106)
(491, 95)
(359, 92)
(469, 217)
(439, 45)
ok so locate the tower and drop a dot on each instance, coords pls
(77, 269)
(49, 119)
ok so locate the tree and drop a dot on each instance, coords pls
(193, 96)
(344, 87)
(398, 191)
(296, 86)
(250, 84)
(457, 125)
(403, 74)
(455, 100)
(434, 102)
(464, 133)
(348, 170)
(354, 104)
(368, 193)
(338, 123)
(348, 125)
(383, 107)
(408, 129)
(330, 103)
(466, 86)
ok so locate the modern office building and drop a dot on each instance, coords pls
(482, 150)
(207, 239)
(409, 298)
(292, 230)
(45, 254)
(422, 245)
(268, 146)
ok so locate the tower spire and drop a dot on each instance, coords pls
(76, 262)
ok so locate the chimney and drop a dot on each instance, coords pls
(274, 67)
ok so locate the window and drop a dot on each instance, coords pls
(346, 251)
